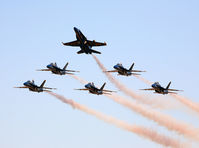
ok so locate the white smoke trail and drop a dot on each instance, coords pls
(160, 118)
(144, 80)
(155, 102)
(139, 130)
(79, 79)
(186, 102)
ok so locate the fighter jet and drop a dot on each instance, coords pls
(123, 71)
(94, 90)
(56, 70)
(83, 43)
(33, 87)
(161, 90)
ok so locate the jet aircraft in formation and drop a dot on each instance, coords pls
(161, 90)
(83, 43)
(124, 71)
(94, 90)
(86, 47)
(33, 87)
(56, 70)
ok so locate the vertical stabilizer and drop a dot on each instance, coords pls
(168, 85)
(102, 86)
(42, 85)
(65, 66)
(131, 67)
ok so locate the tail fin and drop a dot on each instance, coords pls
(168, 85)
(65, 66)
(102, 86)
(131, 67)
(42, 85)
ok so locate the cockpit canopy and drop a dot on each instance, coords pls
(157, 83)
(119, 64)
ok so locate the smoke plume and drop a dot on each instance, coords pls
(186, 102)
(79, 79)
(139, 130)
(143, 79)
(160, 118)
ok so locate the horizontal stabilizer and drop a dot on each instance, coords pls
(80, 52)
(94, 51)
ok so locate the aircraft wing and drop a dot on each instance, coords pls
(94, 43)
(136, 74)
(112, 71)
(148, 89)
(137, 71)
(43, 70)
(73, 43)
(107, 93)
(71, 71)
(21, 87)
(49, 88)
(174, 90)
(108, 90)
(82, 89)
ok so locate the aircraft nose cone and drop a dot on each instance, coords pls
(75, 29)
(25, 83)
(48, 66)
(115, 66)
(86, 86)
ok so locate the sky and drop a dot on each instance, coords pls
(160, 37)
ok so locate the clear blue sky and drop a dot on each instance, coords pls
(161, 37)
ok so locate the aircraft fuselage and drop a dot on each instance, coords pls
(83, 41)
(94, 90)
(32, 87)
(159, 89)
(122, 71)
(56, 70)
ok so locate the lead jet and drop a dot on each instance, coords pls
(33, 87)
(56, 70)
(94, 90)
(161, 90)
(83, 43)
(123, 71)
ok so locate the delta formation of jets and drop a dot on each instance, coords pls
(86, 47)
